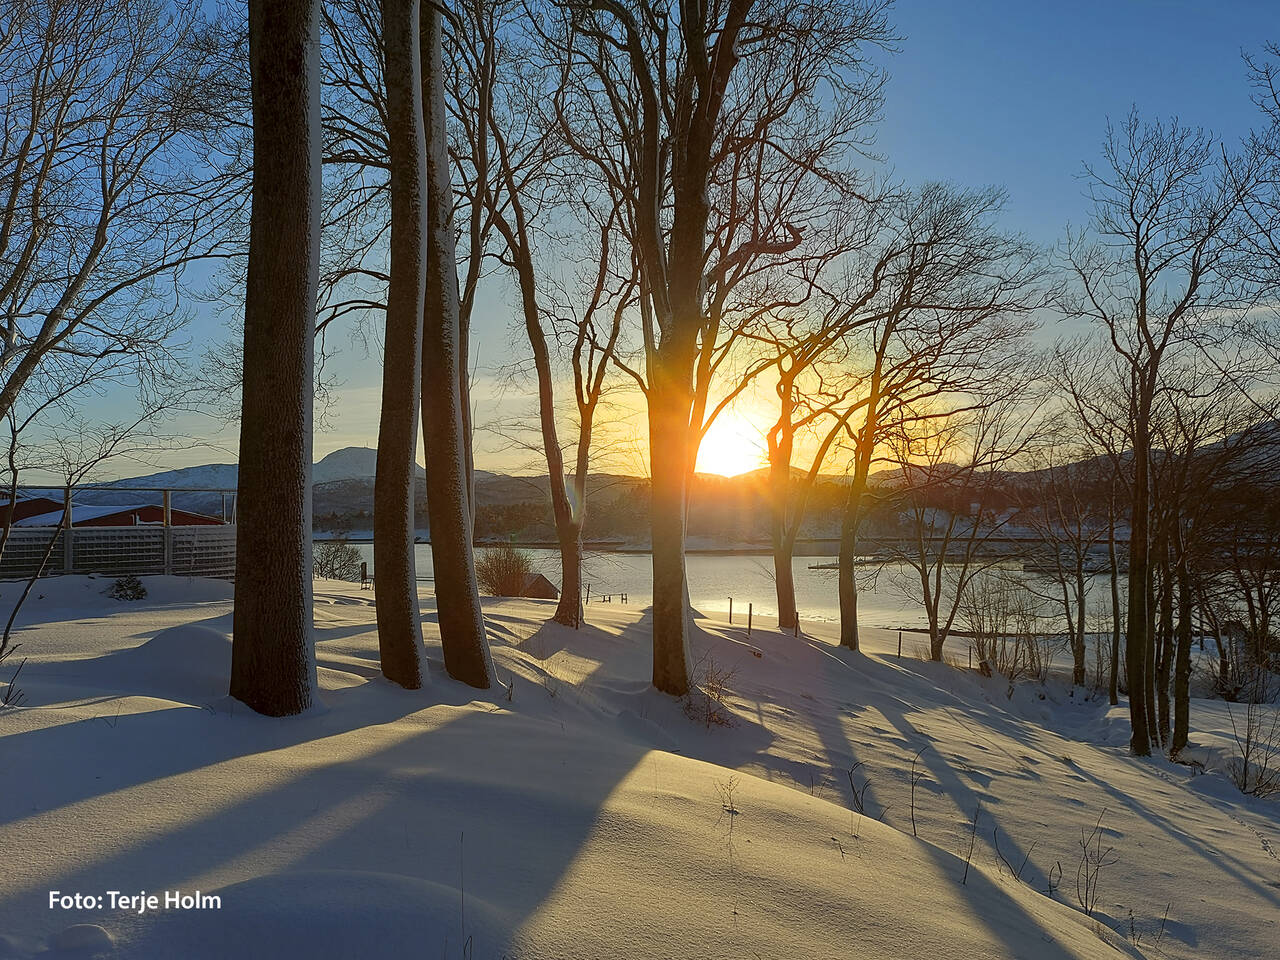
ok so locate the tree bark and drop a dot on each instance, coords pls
(273, 667)
(462, 630)
(846, 573)
(670, 443)
(396, 582)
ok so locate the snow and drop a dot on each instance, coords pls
(79, 514)
(579, 814)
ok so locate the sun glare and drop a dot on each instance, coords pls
(732, 446)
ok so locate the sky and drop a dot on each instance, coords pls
(981, 92)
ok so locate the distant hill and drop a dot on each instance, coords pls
(351, 463)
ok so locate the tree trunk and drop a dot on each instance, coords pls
(1182, 667)
(1165, 662)
(1077, 640)
(568, 526)
(670, 443)
(396, 581)
(1114, 689)
(1136, 628)
(850, 526)
(462, 630)
(1149, 662)
(569, 609)
(781, 447)
(847, 579)
(273, 667)
(784, 579)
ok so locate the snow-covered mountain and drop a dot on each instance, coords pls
(349, 463)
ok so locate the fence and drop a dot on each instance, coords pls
(204, 550)
(190, 551)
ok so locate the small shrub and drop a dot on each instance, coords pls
(705, 703)
(1255, 767)
(1001, 618)
(502, 571)
(1094, 858)
(127, 588)
(13, 695)
(335, 560)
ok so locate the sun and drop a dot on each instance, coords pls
(732, 446)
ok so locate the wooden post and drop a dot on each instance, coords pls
(797, 630)
(970, 656)
(731, 609)
(168, 532)
(588, 593)
(899, 644)
(68, 557)
(750, 606)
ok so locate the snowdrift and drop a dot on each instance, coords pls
(574, 814)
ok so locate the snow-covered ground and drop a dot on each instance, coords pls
(579, 814)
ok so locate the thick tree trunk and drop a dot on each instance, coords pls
(670, 455)
(784, 580)
(462, 630)
(396, 582)
(847, 579)
(273, 667)
(569, 608)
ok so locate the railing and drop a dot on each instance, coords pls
(202, 550)
(206, 551)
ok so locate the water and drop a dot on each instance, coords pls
(714, 578)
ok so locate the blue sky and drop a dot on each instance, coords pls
(982, 92)
(1018, 93)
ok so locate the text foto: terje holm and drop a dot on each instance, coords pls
(139, 902)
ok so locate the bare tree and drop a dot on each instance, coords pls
(1064, 503)
(117, 171)
(1156, 272)
(650, 94)
(954, 500)
(273, 657)
(939, 326)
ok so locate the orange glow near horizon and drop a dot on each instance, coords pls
(731, 447)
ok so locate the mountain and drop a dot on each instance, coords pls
(351, 463)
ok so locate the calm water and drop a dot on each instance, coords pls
(714, 578)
